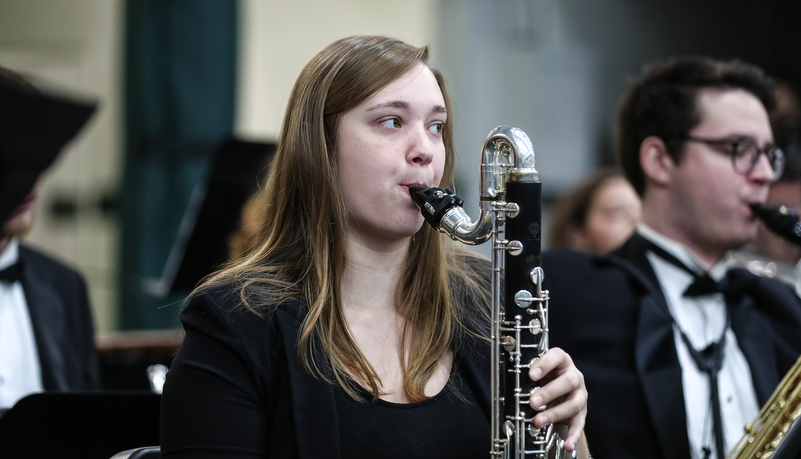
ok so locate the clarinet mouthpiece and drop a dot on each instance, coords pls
(434, 202)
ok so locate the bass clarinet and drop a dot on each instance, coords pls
(510, 204)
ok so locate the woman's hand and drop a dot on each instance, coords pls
(562, 393)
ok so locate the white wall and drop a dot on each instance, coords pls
(279, 37)
(517, 62)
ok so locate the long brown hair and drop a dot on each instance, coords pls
(298, 253)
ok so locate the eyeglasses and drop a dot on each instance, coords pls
(745, 155)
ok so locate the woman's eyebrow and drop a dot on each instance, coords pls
(401, 104)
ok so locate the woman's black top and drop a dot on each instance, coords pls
(448, 425)
(237, 389)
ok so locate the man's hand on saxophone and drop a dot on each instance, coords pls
(564, 396)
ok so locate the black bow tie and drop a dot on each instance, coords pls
(705, 285)
(10, 274)
(733, 287)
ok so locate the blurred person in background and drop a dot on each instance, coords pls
(596, 216)
(46, 330)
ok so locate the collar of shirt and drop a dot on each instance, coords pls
(10, 255)
(683, 253)
(20, 373)
(703, 318)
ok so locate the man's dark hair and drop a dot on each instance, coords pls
(662, 102)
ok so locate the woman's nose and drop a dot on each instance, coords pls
(421, 148)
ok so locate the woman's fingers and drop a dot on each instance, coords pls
(553, 358)
(564, 396)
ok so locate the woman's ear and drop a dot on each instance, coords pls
(656, 162)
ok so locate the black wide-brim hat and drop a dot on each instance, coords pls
(34, 128)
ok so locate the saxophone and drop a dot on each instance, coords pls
(775, 433)
(510, 203)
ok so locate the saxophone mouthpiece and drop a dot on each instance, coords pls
(782, 220)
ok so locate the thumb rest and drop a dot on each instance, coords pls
(510, 215)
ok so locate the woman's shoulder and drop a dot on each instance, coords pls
(217, 317)
(238, 307)
(223, 299)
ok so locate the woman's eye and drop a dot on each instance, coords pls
(436, 128)
(391, 123)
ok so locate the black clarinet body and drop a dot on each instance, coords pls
(511, 211)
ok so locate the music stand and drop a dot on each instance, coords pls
(212, 216)
(85, 425)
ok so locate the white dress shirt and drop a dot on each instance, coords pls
(20, 373)
(703, 320)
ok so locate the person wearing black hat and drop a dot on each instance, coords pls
(46, 330)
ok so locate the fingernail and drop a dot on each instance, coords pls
(541, 420)
(538, 401)
(536, 374)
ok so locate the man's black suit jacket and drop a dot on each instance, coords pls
(62, 322)
(610, 315)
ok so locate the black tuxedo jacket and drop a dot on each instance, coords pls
(62, 323)
(610, 315)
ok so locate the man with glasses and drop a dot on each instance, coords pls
(679, 354)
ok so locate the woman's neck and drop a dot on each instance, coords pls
(371, 273)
